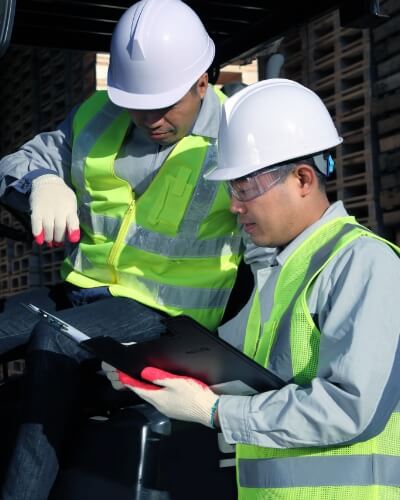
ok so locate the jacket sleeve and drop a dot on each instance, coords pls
(48, 152)
(356, 302)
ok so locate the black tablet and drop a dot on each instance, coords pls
(186, 348)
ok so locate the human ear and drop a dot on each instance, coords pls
(306, 178)
(202, 84)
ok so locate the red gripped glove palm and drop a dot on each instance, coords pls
(176, 396)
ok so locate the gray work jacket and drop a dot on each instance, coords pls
(356, 303)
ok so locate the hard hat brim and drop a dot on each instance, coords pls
(235, 172)
(129, 100)
(222, 174)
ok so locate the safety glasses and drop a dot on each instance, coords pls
(248, 188)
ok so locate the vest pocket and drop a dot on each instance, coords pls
(169, 209)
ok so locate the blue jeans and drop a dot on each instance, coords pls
(53, 377)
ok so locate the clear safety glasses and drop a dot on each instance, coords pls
(248, 188)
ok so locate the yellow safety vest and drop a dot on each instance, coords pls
(176, 248)
(368, 470)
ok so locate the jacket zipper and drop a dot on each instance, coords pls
(117, 247)
(129, 214)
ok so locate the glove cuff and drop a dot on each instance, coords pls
(47, 179)
(214, 409)
(205, 409)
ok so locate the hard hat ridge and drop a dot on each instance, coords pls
(134, 45)
(135, 50)
(138, 33)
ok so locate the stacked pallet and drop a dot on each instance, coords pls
(386, 112)
(335, 63)
(17, 103)
(37, 89)
(19, 266)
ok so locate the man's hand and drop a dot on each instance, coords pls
(176, 396)
(53, 211)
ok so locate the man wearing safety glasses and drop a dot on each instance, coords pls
(324, 316)
(265, 229)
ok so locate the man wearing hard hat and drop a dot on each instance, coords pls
(324, 316)
(122, 179)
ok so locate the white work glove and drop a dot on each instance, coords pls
(53, 211)
(176, 396)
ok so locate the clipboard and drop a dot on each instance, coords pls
(187, 348)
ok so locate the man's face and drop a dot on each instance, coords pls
(168, 125)
(271, 219)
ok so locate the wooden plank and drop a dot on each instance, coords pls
(359, 90)
(356, 157)
(353, 70)
(390, 181)
(387, 125)
(326, 82)
(388, 67)
(355, 180)
(347, 183)
(387, 28)
(355, 136)
(353, 48)
(325, 60)
(391, 218)
(389, 162)
(385, 104)
(389, 143)
(386, 48)
(363, 210)
(358, 201)
(387, 84)
(355, 115)
(322, 40)
(389, 200)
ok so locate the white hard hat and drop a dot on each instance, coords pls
(268, 123)
(159, 49)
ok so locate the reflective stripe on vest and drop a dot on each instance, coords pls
(176, 248)
(312, 473)
(148, 241)
(328, 471)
